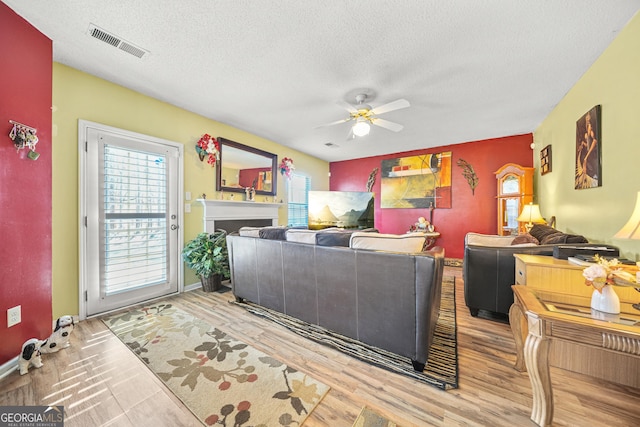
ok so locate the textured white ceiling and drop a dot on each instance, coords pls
(470, 69)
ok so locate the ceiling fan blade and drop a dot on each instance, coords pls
(337, 122)
(394, 105)
(350, 108)
(395, 127)
(351, 134)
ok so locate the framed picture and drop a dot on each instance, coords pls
(416, 182)
(588, 169)
(545, 160)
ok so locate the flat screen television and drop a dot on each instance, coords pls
(344, 209)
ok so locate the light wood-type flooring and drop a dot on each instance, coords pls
(100, 382)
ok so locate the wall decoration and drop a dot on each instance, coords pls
(372, 180)
(417, 181)
(286, 167)
(545, 160)
(588, 167)
(469, 174)
(207, 146)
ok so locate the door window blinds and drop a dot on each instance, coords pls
(133, 220)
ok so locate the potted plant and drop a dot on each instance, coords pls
(207, 255)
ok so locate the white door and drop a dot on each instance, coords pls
(130, 193)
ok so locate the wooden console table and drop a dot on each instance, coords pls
(539, 318)
(558, 275)
(432, 236)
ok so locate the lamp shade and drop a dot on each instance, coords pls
(531, 214)
(361, 128)
(631, 229)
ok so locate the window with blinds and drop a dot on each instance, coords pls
(298, 200)
(134, 215)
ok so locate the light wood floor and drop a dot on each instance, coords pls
(100, 382)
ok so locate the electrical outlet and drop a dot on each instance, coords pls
(14, 316)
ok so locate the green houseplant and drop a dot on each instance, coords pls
(207, 256)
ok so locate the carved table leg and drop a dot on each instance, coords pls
(517, 320)
(536, 356)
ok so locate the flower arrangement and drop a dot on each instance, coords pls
(208, 146)
(600, 274)
(286, 166)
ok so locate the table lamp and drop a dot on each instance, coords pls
(530, 214)
(631, 230)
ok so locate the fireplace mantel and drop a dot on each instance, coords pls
(233, 210)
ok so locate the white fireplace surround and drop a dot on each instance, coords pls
(220, 210)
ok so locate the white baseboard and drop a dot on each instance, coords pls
(8, 367)
(193, 287)
(196, 286)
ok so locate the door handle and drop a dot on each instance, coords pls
(174, 227)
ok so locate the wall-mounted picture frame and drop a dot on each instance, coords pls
(588, 167)
(545, 160)
(416, 182)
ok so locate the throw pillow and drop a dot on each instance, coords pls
(302, 236)
(540, 231)
(249, 231)
(338, 237)
(524, 238)
(273, 233)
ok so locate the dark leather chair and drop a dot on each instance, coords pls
(489, 270)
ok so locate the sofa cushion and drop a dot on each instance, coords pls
(409, 242)
(301, 236)
(273, 233)
(521, 239)
(338, 237)
(550, 236)
(487, 239)
(249, 231)
(540, 231)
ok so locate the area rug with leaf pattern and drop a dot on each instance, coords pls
(441, 369)
(370, 418)
(220, 379)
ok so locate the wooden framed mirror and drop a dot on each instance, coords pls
(242, 166)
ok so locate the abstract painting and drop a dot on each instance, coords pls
(588, 172)
(416, 182)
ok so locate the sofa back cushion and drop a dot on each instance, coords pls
(271, 232)
(301, 236)
(249, 231)
(487, 239)
(409, 242)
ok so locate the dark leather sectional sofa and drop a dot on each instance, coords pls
(390, 300)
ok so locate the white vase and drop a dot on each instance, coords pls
(606, 301)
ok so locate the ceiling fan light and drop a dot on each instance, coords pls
(361, 128)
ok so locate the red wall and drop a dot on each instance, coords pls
(469, 212)
(25, 185)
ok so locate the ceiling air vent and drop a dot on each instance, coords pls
(113, 40)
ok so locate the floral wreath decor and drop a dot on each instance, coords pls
(208, 146)
(286, 166)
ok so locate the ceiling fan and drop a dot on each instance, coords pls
(364, 115)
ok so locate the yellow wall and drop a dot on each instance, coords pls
(614, 83)
(77, 95)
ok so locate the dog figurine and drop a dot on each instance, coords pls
(30, 355)
(60, 336)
